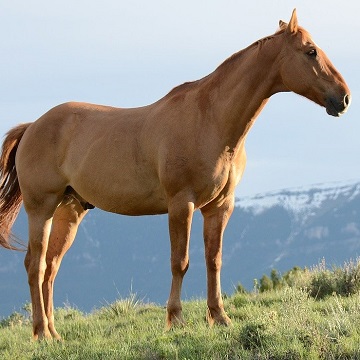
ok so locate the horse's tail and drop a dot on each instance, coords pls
(10, 193)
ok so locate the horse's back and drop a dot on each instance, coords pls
(100, 151)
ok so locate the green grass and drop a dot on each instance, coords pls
(282, 324)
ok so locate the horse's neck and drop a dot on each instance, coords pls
(244, 85)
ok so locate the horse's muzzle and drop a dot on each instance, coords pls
(336, 106)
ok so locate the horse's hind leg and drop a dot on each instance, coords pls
(40, 213)
(66, 220)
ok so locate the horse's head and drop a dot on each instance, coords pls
(307, 71)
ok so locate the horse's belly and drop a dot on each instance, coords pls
(134, 206)
(127, 200)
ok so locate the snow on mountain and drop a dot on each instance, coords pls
(300, 226)
(301, 201)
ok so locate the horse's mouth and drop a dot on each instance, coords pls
(331, 111)
(337, 108)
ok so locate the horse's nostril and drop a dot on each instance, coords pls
(347, 100)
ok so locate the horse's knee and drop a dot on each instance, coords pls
(35, 271)
(214, 263)
(51, 270)
(179, 267)
(31, 268)
(27, 261)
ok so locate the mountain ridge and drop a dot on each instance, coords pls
(302, 195)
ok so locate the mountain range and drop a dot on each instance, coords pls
(116, 255)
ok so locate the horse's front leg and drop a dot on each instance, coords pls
(215, 221)
(180, 217)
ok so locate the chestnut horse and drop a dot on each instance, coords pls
(182, 153)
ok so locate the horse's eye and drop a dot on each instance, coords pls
(312, 53)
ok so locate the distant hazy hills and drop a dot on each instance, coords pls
(114, 254)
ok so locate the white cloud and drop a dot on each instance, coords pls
(317, 232)
(351, 228)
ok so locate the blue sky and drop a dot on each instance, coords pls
(127, 54)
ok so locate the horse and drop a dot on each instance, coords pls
(185, 152)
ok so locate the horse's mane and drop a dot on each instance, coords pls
(258, 44)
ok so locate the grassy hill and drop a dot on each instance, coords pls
(285, 321)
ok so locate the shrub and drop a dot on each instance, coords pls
(240, 289)
(276, 279)
(296, 277)
(319, 281)
(266, 284)
(343, 281)
(18, 318)
(14, 319)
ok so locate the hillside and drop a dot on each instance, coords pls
(114, 254)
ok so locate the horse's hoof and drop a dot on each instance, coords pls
(218, 318)
(174, 319)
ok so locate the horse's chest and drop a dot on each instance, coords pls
(202, 175)
(219, 181)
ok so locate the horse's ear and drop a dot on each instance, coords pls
(293, 24)
(282, 25)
